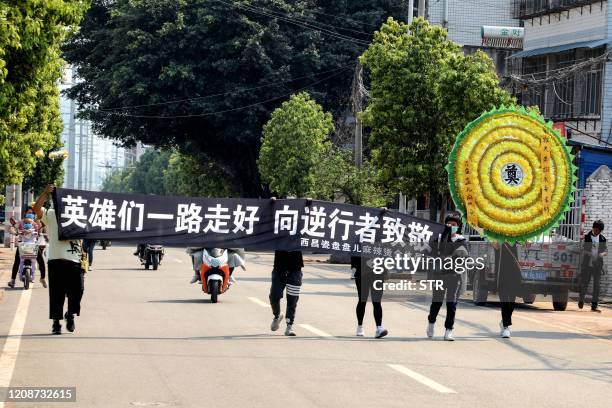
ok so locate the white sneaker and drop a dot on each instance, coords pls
(232, 279)
(276, 322)
(505, 333)
(289, 330)
(381, 332)
(90, 268)
(430, 330)
(43, 283)
(501, 327)
(195, 278)
(448, 335)
(360, 331)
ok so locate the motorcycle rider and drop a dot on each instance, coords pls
(286, 273)
(27, 226)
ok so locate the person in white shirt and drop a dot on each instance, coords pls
(66, 278)
(595, 249)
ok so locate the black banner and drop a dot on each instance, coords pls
(260, 224)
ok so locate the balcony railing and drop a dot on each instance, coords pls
(535, 8)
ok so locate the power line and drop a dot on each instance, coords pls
(196, 98)
(227, 110)
(298, 23)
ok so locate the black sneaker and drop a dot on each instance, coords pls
(69, 322)
(580, 304)
(57, 327)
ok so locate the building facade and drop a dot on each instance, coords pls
(465, 21)
(562, 68)
(91, 158)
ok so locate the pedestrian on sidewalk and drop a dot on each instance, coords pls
(286, 273)
(595, 249)
(453, 245)
(66, 277)
(509, 283)
(364, 280)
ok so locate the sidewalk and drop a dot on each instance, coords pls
(6, 262)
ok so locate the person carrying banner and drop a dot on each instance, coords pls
(286, 273)
(364, 280)
(66, 276)
(595, 248)
(452, 245)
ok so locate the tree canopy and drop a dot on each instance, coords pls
(295, 141)
(30, 67)
(423, 91)
(203, 76)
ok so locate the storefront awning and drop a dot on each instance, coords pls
(561, 48)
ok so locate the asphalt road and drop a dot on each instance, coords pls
(148, 338)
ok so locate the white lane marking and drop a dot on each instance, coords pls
(178, 260)
(8, 358)
(315, 330)
(422, 379)
(259, 302)
(562, 326)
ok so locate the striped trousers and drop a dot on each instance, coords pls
(292, 281)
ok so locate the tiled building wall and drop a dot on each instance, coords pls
(465, 18)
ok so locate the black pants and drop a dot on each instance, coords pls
(40, 259)
(364, 283)
(585, 278)
(292, 280)
(451, 288)
(65, 280)
(88, 246)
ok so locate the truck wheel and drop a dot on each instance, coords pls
(479, 292)
(529, 299)
(560, 301)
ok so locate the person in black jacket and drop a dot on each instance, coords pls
(595, 248)
(286, 273)
(509, 283)
(452, 245)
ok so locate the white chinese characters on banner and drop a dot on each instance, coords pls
(125, 214)
(188, 218)
(103, 214)
(74, 211)
(286, 220)
(240, 217)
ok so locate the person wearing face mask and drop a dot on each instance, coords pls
(27, 226)
(595, 249)
(452, 245)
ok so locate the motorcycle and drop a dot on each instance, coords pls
(151, 255)
(28, 252)
(217, 267)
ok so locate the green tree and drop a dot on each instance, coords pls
(117, 182)
(295, 141)
(30, 67)
(197, 177)
(424, 91)
(47, 170)
(250, 53)
(337, 177)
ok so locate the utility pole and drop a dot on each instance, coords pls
(421, 10)
(357, 99)
(81, 154)
(410, 11)
(71, 146)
